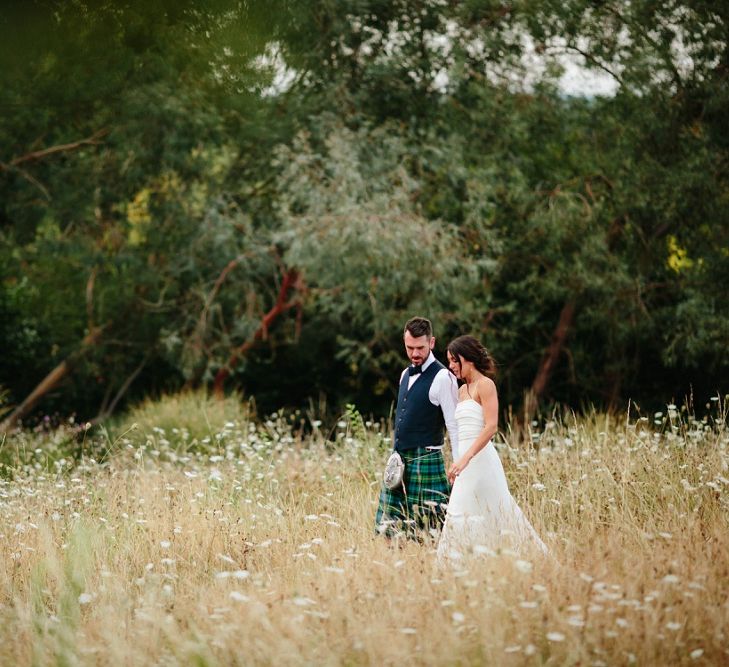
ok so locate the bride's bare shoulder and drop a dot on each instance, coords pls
(486, 387)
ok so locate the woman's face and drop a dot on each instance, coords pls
(456, 365)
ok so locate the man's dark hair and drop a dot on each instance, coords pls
(419, 326)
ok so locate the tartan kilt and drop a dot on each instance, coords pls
(420, 503)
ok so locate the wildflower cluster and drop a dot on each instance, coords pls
(251, 541)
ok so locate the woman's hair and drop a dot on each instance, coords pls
(470, 349)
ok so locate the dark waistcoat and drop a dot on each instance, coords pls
(418, 423)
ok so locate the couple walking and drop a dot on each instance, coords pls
(470, 504)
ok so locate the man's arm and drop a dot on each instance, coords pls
(444, 393)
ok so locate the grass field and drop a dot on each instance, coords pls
(193, 534)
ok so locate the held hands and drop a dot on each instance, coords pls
(457, 467)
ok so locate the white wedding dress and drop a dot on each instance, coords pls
(482, 515)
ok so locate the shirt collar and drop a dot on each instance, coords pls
(428, 361)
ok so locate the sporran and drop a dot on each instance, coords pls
(394, 472)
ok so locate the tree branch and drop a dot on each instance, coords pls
(291, 281)
(549, 360)
(93, 140)
(52, 380)
(28, 177)
(202, 320)
(14, 164)
(592, 59)
(105, 413)
(90, 297)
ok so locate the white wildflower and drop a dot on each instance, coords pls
(523, 566)
(303, 602)
(555, 637)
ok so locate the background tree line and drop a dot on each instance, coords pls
(256, 195)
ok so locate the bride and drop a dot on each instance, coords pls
(482, 515)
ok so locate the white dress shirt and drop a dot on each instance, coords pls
(443, 393)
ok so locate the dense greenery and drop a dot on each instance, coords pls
(257, 195)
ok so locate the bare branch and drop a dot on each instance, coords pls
(292, 281)
(93, 140)
(28, 177)
(107, 412)
(589, 58)
(52, 380)
(90, 297)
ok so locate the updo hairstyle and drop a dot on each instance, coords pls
(470, 349)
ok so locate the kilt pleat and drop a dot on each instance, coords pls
(420, 503)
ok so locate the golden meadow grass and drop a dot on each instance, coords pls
(203, 537)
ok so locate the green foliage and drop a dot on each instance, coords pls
(351, 225)
(191, 419)
(401, 157)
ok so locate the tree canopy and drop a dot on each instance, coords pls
(258, 194)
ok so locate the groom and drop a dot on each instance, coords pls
(426, 403)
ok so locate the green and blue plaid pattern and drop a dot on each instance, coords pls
(420, 503)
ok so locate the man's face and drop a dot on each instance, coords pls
(418, 348)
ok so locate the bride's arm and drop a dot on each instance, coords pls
(489, 399)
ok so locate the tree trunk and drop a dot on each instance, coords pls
(549, 360)
(52, 380)
(290, 281)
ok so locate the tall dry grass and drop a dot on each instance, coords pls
(205, 538)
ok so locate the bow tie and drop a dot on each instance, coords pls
(415, 370)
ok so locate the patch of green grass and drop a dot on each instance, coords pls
(185, 417)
